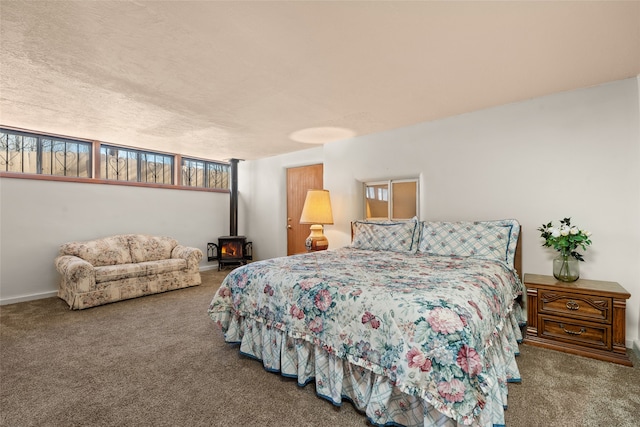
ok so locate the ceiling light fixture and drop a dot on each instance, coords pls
(321, 135)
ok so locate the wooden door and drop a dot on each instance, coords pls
(299, 180)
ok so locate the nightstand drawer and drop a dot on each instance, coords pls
(575, 305)
(574, 331)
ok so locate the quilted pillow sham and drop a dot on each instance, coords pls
(397, 236)
(483, 239)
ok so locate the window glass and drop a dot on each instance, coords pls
(156, 168)
(119, 164)
(200, 173)
(392, 199)
(125, 164)
(33, 153)
(376, 200)
(29, 153)
(405, 197)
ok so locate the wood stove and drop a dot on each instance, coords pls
(230, 250)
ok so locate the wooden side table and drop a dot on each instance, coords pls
(585, 317)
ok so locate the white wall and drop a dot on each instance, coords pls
(571, 154)
(262, 205)
(37, 216)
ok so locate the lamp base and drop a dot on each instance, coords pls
(316, 240)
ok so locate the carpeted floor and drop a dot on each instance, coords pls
(160, 361)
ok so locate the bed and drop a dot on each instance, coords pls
(415, 323)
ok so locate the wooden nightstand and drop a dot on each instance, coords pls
(585, 317)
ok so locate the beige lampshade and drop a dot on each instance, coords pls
(317, 208)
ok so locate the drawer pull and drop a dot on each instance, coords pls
(572, 305)
(580, 332)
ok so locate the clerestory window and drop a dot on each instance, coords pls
(27, 153)
(125, 164)
(201, 173)
(31, 153)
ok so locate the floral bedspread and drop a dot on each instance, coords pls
(426, 323)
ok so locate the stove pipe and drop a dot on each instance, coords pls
(233, 200)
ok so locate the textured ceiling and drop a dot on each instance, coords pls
(241, 79)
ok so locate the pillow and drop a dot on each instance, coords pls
(483, 239)
(397, 236)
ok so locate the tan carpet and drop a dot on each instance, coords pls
(160, 361)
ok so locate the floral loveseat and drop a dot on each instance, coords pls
(124, 266)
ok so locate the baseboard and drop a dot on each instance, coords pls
(636, 347)
(209, 267)
(31, 297)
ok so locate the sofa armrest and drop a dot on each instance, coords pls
(77, 274)
(192, 255)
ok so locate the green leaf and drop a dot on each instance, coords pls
(577, 256)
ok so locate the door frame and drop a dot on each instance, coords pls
(313, 178)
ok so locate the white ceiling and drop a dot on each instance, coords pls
(224, 80)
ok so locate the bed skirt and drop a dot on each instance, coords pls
(384, 403)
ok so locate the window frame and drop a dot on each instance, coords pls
(138, 157)
(207, 165)
(51, 141)
(95, 164)
(386, 195)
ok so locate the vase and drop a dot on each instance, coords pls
(566, 268)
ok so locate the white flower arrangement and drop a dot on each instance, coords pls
(565, 238)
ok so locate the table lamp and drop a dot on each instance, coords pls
(317, 211)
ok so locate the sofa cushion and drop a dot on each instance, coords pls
(150, 248)
(106, 251)
(125, 271)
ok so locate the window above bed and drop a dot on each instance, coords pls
(391, 199)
